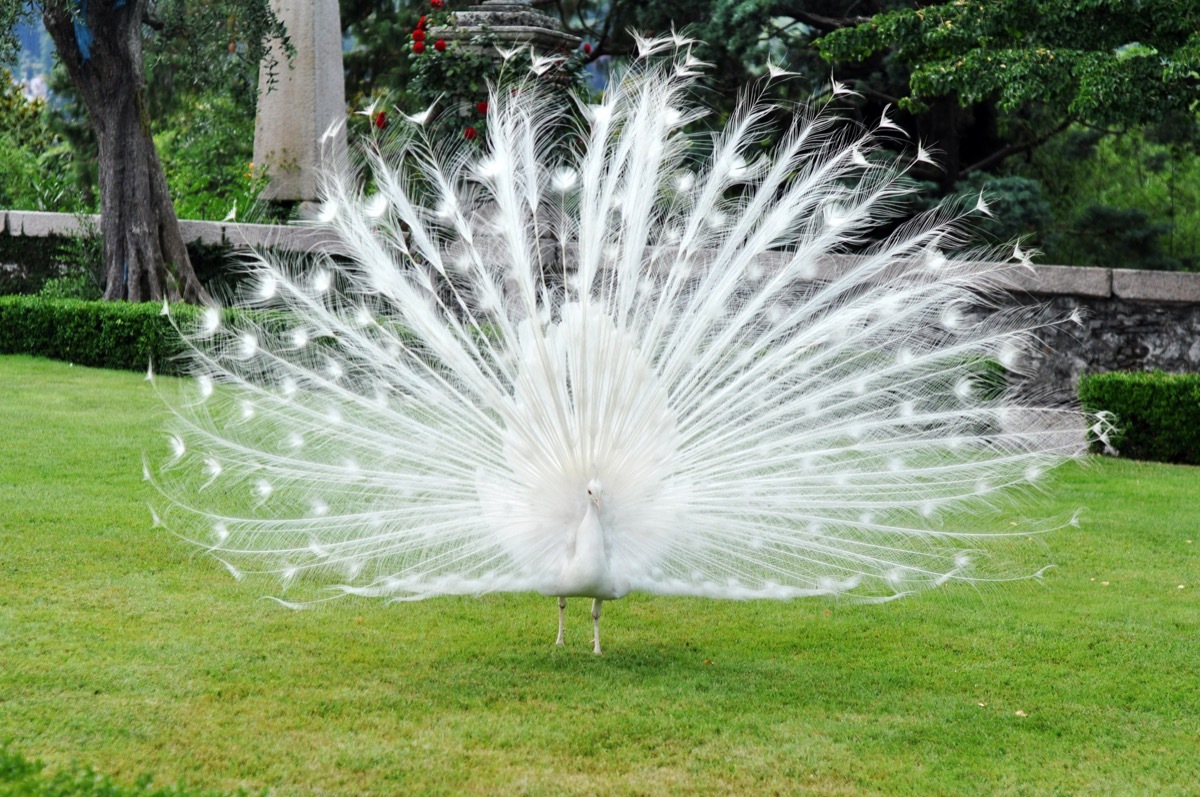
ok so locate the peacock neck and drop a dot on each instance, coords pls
(589, 539)
(587, 572)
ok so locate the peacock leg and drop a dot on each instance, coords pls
(596, 623)
(562, 610)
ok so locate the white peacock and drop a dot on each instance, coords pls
(590, 366)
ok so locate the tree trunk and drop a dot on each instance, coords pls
(944, 115)
(144, 255)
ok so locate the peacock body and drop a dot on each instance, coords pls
(600, 362)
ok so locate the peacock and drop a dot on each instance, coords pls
(600, 353)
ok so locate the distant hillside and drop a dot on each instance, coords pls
(37, 51)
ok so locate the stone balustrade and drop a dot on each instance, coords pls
(1129, 320)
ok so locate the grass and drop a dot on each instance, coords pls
(121, 650)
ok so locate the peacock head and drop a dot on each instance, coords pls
(594, 491)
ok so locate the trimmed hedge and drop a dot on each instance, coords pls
(1157, 415)
(99, 334)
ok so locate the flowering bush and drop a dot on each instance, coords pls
(454, 74)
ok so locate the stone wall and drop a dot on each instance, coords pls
(1116, 334)
(1128, 320)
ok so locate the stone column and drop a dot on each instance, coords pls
(308, 97)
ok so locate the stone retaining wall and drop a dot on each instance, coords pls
(1117, 334)
(288, 237)
(1130, 320)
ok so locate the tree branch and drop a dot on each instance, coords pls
(879, 95)
(1108, 131)
(1012, 149)
(828, 23)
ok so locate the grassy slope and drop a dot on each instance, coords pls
(121, 649)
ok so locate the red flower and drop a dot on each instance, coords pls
(587, 49)
(418, 47)
(440, 45)
(381, 120)
(435, 3)
(422, 22)
(469, 133)
(481, 106)
(418, 35)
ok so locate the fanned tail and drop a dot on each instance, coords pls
(675, 319)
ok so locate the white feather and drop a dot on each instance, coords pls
(886, 123)
(419, 119)
(840, 89)
(665, 399)
(775, 71)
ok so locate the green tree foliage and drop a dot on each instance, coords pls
(376, 61)
(11, 13)
(112, 50)
(206, 147)
(1129, 201)
(1104, 62)
(1120, 75)
(1017, 207)
(34, 160)
(1060, 73)
(198, 46)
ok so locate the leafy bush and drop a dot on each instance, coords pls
(20, 777)
(100, 334)
(35, 163)
(1157, 415)
(81, 273)
(20, 171)
(206, 150)
(65, 267)
(74, 285)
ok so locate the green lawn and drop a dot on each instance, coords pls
(121, 649)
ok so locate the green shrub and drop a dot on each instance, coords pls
(1018, 208)
(35, 163)
(76, 285)
(206, 148)
(99, 334)
(1157, 415)
(72, 266)
(81, 270)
